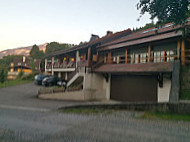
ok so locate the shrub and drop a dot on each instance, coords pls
(3, 75)
(21, 73)
(28, 77)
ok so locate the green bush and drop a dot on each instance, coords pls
(185, 94)
(28, 77)
(21, 73)
(3, 75)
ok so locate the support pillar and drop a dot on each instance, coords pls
(178, 49)
(109, 60)
(77, 58)
(46, 65)
(149, 54)
(84, 56)
(108, 88)
(66, 76)
(126, 56)
(89, 56)
(183, 53)
(52, 64)
(59, 74)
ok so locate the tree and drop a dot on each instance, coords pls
(55, 46)
(36, 53)
(3, 76)
(147, 26)
(166, 11)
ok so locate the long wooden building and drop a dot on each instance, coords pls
(126, 66)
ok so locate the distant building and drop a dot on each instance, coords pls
(23, 64)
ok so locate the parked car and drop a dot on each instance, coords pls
(62, 82)
(50, 81)
(38, 79)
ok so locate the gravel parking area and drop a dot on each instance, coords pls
(120, 126)
(24, 118)
(26, 96)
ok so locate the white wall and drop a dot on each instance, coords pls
(164, 93)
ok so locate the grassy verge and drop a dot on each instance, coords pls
(185, 95)
(85, 110)
(14, 83)
(166, 116)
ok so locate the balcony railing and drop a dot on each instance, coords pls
(66, 65)
(137, 58)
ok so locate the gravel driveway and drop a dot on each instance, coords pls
(25, 118)
(26, 96)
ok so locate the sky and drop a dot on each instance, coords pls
(28, 22)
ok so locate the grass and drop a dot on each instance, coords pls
(85, 110)
(14, 83)
(185, 95)
(166, 116)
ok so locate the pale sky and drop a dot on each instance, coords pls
(29, 22)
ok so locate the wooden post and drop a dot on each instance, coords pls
(84, 56)
(126, 56)
(149, 54)
(89, 56)
(52, 64)
(183, 53)
(46, 64)
(109, 61)
(77, 58)
(178, 49)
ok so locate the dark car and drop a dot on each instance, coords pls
(50, 81)
(62, 83)
(39, 78)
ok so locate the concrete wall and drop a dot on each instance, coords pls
(83, 95)
(164, 93)
(73, 95)
(94, 86)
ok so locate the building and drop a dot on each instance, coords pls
(127, 66)
(23, 64)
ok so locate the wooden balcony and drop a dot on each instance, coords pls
(71, 66)
(140, 58)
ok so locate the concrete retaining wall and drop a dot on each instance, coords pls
(94, 86)
(83, 95)
(73, 95)
(177, 108)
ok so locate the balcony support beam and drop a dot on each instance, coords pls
(89, 56)
(178, 49)
(109, 60)
(77, 58)
(126, 56)
(52, 64)
(46, 65)
(183, 53)
(149, 54)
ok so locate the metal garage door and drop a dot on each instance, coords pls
(134, 88)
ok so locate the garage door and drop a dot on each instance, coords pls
(134, 88)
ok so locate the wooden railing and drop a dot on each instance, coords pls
(187, 56)
(157, 56)
(99, 63)
(61, 66)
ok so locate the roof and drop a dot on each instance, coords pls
(143, 40)
(99, 41)
(135, 68)
(148, 35)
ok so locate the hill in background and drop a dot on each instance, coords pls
(21, 51)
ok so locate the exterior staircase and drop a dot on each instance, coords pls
(75, 77)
